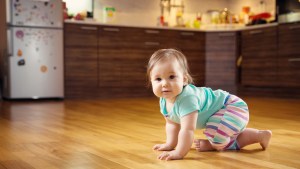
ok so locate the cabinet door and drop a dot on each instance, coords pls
(81, 67)
(221, 55)
(289, 55)
(80, 56)
(259, 52)
(124, 53)
(191, 44)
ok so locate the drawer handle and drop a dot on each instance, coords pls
(294, 59)
(111, 29)
(256, 32)
(226, 34)
(294, 27)
(89, 28)
(187, 33)
(152, 43)
(152, 31)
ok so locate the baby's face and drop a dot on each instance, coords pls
(167, 79)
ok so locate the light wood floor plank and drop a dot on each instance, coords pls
(120, 133)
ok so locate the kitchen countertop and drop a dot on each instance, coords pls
(206, 28)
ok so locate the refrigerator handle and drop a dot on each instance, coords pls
(9, 43)
(8, 11)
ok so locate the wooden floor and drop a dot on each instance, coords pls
(120, 133)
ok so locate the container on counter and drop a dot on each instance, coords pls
(109, 14)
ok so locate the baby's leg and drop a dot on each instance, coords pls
(251, 136)
(203, 145)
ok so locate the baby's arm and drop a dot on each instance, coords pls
(172, 130)
(185, 138)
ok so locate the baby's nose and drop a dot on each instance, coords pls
(164, 83)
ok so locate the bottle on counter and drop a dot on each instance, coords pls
(245, 15)
(179, 19)
(197, 21)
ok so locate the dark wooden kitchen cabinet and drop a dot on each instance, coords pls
(289, 55)
(81, 60)
(124, 53)
(259, 54)
(111, 61)
(192, 45)
(221, 55)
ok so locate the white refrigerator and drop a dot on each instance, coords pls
(34, 61)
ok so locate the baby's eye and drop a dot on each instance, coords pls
(172, 77)
(158, 79)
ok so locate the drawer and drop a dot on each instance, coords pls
(80, 35)
(289, 39)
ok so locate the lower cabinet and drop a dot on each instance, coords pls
(221, 56)
(259, 53)
(289, 55)
(81, 60)
(111, 61)
(271, 61)
(192, 45)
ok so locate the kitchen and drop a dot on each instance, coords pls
(258, 62)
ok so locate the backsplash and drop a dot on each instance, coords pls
(146, 12)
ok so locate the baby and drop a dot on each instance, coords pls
(186, 107)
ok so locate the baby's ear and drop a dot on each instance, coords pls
(185, 80)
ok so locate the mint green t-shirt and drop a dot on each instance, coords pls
(202, 99)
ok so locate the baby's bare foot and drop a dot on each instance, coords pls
(265, 138)
(203, 145)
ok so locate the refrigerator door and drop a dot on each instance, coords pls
(40, 13)
(36, 64)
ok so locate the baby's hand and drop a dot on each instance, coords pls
(162, 147)
(171, 155)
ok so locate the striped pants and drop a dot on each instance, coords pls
(223, 127)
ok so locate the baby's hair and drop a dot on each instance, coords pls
(162, 54)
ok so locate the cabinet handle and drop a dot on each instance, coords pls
(187, 33)
(226, 34)
(152, 31)
(111, 29)
(256, 32)
(89, 28)
(294, 59)
(239, 61)
(294, 27)
(152, 43)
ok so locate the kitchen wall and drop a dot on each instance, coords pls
(146, 12)
(257, 6)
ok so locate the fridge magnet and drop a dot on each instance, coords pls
(44, 68)
(20, 34)
(20, 53)
(21, 62)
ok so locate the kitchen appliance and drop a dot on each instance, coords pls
(288, 11)
(33, 67)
